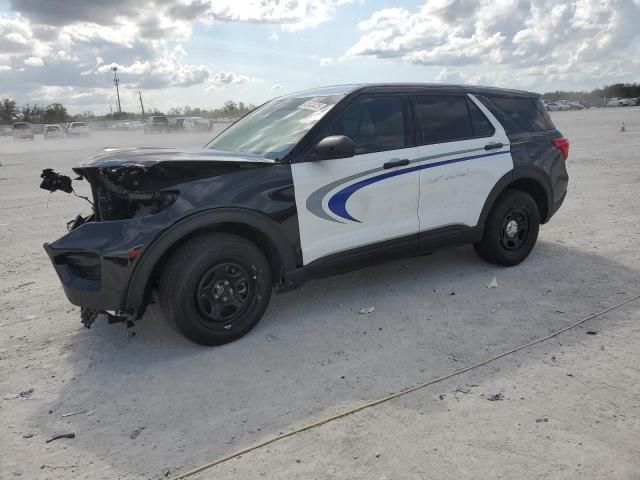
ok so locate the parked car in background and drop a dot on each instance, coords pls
(556, 107)
(127, 126)
(78, 129)
(22, 131)
(620, 102)
(52, 131)
(571, 105)
(6, 131)
(176, 125)
(157, 124)
(197, 124)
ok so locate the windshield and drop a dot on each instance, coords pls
(272, 130)
(22, 126)
(79, 124)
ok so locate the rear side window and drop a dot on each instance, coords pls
(519, 115)
(481, 125)
(450, 118)
(375, 123)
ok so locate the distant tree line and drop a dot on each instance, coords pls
(57, 113)
(595, 98)
(53, 113)
(229, 109)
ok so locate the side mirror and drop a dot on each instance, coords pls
(335, 146)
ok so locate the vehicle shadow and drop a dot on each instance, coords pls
(314, 353)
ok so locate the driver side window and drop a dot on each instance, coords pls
(375, 123)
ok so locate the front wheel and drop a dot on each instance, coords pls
(215, 288)
(511, 230)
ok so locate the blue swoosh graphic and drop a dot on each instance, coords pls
(338, 202)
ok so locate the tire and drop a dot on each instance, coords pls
(503, 241)
(197, 272)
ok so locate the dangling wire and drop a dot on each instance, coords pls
(81, 196)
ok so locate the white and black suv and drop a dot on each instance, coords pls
(306, 185)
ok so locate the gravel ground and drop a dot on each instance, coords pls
(156, 403)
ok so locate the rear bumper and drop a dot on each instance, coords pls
(554, 207)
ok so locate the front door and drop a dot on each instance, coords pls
(368, 198)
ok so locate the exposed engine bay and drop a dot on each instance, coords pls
(137, 187)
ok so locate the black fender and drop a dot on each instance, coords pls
(138, 288)
(525, 172)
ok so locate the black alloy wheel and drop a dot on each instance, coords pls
(215, 288)
(510, 230)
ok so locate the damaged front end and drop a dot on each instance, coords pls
(126, 192)
(94, 263)
(135, 196)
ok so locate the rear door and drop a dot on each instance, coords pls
(464, 152)
(369, 198)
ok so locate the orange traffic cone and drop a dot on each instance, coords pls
(622, 128)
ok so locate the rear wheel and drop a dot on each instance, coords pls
(215, 288)
(511, 230)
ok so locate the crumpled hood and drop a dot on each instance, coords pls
(147, 157)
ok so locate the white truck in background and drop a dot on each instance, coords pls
(621, 102)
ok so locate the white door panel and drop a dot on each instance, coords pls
(457, 177)
(352, 202)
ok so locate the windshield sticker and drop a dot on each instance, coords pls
(313, 106)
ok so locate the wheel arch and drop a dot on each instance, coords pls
(527, 179)
(254, 226)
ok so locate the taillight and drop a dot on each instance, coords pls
(562, 144)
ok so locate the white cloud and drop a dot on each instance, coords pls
(540, 40)
(34, 61)
(332, 61)
(292, 15)
(16, 38)
(54, 93)
(223, 79)
(75, 43)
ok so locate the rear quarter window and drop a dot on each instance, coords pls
(519, 115)
(444, 118)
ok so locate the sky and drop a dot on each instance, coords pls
(204, 52)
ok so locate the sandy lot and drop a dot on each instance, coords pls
(156, 403)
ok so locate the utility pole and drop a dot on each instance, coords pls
(141, 105)
(116, 82)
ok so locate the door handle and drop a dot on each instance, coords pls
(395, 163)
(493, 146)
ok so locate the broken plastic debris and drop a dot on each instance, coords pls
(73, 413)
(63, 435)
(462, 389)
(493, 283)
(367, 310)
(26, 393)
